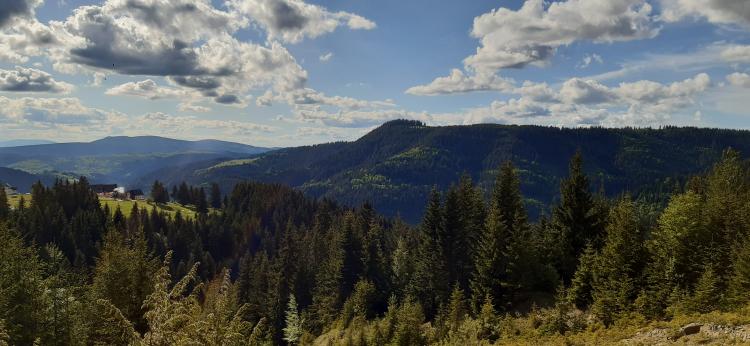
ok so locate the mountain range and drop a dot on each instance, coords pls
(120, 160)
(395, 166)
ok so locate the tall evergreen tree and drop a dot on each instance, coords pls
(159, 193)
(576, 220)
(4, 207)
(498, 262)
(215, 196)
(619, 266)
(430, 283)
(293, 328)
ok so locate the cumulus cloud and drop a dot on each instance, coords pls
(14, 8)
(588, 102)
(166, 123)
(147, 89)
(66, 111)
(294, 20)
(714, 11)
(532, 34)
(24, 79)
(736, 53)
(739, 79)
(458, 82)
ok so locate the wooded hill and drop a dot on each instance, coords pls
(396, 166)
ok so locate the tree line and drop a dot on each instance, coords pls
(267, 265)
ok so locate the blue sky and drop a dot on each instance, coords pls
(293, 72)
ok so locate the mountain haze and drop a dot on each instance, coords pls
(119, 159)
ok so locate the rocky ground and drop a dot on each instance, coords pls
(693, 334)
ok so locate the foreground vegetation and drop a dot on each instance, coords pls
(270, 266)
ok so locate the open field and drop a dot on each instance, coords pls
(126, 206)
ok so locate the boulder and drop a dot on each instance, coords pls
(690, 329)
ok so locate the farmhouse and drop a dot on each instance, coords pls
(136, 194)
(103, 188)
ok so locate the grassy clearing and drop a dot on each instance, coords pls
(125, 206)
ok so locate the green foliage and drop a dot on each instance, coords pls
(576, 221)
(159, 193)
(619, 264)
(293, 328)
(4, 206)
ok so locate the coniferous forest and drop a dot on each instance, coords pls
(265, 265)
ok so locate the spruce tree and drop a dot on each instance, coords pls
(739, 282)
(293, 325)
(618, 269)
(575, 220)
(430, 283)
(159, 193)
(215, 196)
(4, 207)
(500, 251)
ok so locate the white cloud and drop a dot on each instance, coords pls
(24, 79)
(532, 34)
(147, 89)
(736, 54)
(53, 111)
(179, 125)
(715, 11)
(588, 102)
(739, 79)
(294, 20)
(589, 59)
(326, 57)
(458, 82)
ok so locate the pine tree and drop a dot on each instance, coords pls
(159, 193)
(576, 220)
(616, 275)
(4, 207)
(123, 275)
(708, 294)
(457, 310)
(430, 284)
(499, 258)
(293, 327)
(739, 283)
(201, 205)
(490, 273)
(215, 196)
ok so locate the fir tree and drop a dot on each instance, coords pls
(159, 193)
(616, 275)
(576, 219)
(430, 283)
(4, 207)
(293, 327)
(215, 196)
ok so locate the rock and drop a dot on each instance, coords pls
(690, 329)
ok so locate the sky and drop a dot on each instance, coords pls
(292, 72)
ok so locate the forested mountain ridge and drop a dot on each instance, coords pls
(395, 166)
(121, 159)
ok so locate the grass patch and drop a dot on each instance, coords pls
(125, 206)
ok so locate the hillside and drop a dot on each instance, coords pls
(23, 180)
(22, 142)
(118, 160)
(396, 165)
